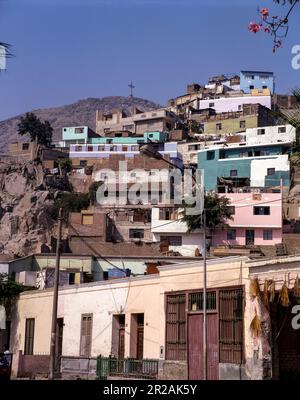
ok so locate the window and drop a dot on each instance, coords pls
(124, 148)
(106, 130)
(219, 127)
(82, 163)
(210, 155)
(101, 148)
(136, 233)
(261, 131)
(78, 148)
(86, 335)
(231, 234)
(90, 148)
(265, 87)
(128, 127)
(251, 87)
(242, 124)
(211, 104)
(257, 153)
(192, 147)
(29, 336)
(79, 130)
(268, 234)
(196, 301)
(231, 310)
(176, 345)
(282, 129)
(233, 172)
(168, 214)
(172, 240)
(87, 219)
(271, 171)
(240, 107)
(231, 209)
(25, 146)
(265, 210)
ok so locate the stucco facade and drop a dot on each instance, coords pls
(247, 227)
(146, 295)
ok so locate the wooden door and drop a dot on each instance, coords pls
(121, 348)
(140, 343)
(195, 347)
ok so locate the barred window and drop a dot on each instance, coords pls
(196, 301)
(176, 346)
(231, 310)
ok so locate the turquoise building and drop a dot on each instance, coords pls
(261, 165)
(85, 135)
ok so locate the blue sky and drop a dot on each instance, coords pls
(66, 50)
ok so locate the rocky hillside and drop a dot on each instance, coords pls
(83, 112)
(25, 199)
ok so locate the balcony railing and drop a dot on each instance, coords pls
(247, 189)
(128, 368)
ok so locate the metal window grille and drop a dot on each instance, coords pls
(176, 346)
(231, 310)
(196, 301)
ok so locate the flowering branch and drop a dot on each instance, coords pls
(276, 26)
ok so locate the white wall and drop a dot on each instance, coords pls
(258, 168)
(190, 242)
(226, 104)
(165, 226)
(271, 135)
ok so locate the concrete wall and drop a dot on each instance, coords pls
(220, 237)
(226, 104)
(254, 167)
(272, 134)
(103, 299)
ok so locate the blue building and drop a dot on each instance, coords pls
(256, 80)
(245, 165)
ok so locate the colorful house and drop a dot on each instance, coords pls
(260, 165)
(261, 80)
(256, 219)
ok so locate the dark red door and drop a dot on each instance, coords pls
(195, 346)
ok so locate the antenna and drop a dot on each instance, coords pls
(131, 86)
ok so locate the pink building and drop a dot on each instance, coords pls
(257, 219)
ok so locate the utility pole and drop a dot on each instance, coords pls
(55, 301)
(204, 300)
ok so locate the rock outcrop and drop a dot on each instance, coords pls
(25, 199)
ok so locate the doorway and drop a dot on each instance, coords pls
(250, 237)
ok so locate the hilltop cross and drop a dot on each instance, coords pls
(131, 85)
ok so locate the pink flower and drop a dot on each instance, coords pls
(267, 30)
(265, 13)
(253, 27)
